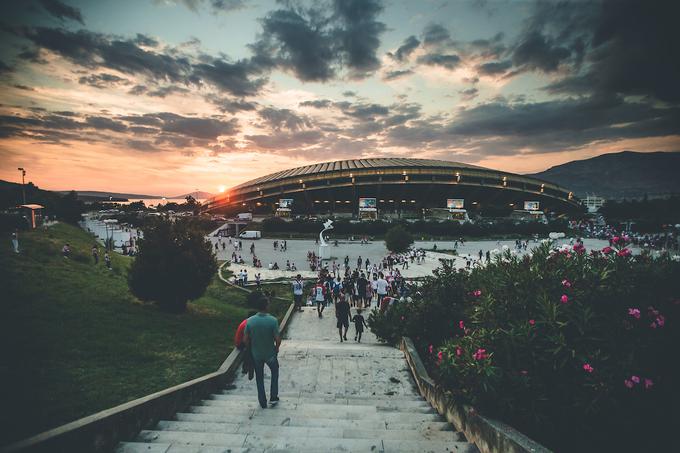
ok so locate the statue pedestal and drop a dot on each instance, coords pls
(324, 252)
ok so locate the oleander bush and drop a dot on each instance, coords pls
(577, 349)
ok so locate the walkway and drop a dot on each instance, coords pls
(335, 396)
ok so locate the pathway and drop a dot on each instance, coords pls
(335, 396)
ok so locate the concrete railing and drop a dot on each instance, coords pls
(102, 431)
(490, 436)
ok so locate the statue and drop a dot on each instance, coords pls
(324, 253)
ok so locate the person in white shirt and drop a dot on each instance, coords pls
(381, 287)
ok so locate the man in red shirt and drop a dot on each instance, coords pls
(240, 345)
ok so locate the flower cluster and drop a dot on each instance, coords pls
(635, 380)
(480, 354)
(658, 319)
(588, 368)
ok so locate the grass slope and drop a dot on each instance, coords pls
(73, 340)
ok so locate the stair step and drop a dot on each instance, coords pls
(330, 430)
(295, 444)
(329, 399)
(420, 408)
(294, 420)
(250, 393)
(142, 447)
(403, 417)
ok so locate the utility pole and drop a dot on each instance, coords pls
(23, 183)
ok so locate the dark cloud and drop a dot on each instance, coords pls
(233, 105)
(4, 67)
(448, 61)
(468, 94)
(62, 11)
(538, 52)
(140, 145)
(410, 44)
(391, 75)
(215, 6)
(234, 78)
(101, 122)
(494, 67)
(359, 33)
(102, 80)
(167, 90)
(145, 40)
(349, 93)
(279, 119)
(204, 128)
(23, 87)
(632, 51)
(435, 34)
(364, 111)
(95, 50)
(314, 45)
(317, 103)
(138, 90)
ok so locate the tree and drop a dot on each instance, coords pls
(175, 264)
(397, 239)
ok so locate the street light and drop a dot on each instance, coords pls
(23, 183)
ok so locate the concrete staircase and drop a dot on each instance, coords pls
(347, 397)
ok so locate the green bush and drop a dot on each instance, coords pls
(174, 265)
(578, 350)
(398, 239)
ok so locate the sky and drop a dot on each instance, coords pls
(167, 96)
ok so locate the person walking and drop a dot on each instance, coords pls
(239, 341)
(381, 287)
(107, 260)
(298, 290)
(15, 241)
(95, 254)
(359, 323)
(342, 313)
(263, 338)
(319, 295)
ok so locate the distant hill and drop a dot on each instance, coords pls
(200, 195)
(92, 195)
(627, 174)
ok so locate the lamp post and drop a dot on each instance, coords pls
(23, 183)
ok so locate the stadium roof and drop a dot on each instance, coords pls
(352, 164)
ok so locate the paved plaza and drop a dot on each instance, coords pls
(374, 251)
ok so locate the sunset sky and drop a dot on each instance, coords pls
(166, 96)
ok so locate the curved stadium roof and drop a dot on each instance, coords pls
(356, 164)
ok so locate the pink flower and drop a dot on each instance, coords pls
(588, 368)
(524, 372)
(564, 299)
(461, 324)
(480, 354)
(579, 248)
(566, 283)
(648, 383)
(440, 357)
(402, 318)
(634, 312)
(660, 320)
(653, 325)
(615, 239)
(624, 252)
(459, 351)
(635, 379)
(607, 250)
(477, 292)
(532, 322)
(628, 383)
(429, 349)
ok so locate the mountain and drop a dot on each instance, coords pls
(627, 174)
(198, 195)
(92, 195)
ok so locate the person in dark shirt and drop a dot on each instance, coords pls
(361, 288)
(342, 312)
(359, 324)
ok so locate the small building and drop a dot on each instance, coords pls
(33, 214)
(593, 203)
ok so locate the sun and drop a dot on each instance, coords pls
(221, 189)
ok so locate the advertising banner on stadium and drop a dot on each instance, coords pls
(455, 203)
(531, 206)
(285, 203)
(367, 203)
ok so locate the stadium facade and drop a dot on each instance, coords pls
(388, 187)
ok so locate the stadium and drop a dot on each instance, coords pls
(393, 188)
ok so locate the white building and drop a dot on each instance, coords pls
(593, 203)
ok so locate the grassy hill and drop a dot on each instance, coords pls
(621, 175)
(74, 341)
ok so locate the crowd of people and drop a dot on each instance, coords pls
(654, 241)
